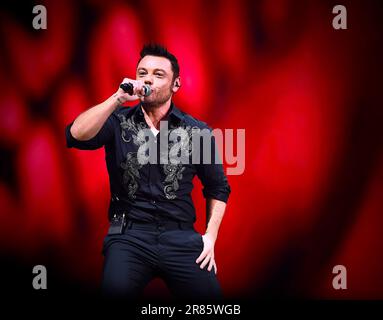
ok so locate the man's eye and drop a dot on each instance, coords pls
(159, 75)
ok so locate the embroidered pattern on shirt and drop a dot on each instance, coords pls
(130, 125)
(131, 174)
(131, 166)
(173, 171)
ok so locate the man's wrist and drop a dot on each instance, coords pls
(211, 235)
(118, 98)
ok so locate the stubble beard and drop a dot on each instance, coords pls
(158, 101)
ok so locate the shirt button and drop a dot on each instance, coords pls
(153, 201)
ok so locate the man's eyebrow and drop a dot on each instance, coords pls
(162, 70)
(155, 70)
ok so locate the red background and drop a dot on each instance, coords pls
(308, 96)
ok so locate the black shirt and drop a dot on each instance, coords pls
(150, 192)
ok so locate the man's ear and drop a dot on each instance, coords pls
(176, 84)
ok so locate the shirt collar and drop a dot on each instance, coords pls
(174, 114)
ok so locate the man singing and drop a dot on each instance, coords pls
(151, 212)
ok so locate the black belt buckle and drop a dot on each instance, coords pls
(117, 224)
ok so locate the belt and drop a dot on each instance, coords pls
(159, 225)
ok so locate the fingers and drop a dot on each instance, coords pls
(126, 96)
(134, 82)
(201, 256)
(205, 262)
(137, 89)
(207, 258)
(137, 84)
(211, 264)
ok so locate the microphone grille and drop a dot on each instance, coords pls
(147, 90)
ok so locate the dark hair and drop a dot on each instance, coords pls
(153, 49)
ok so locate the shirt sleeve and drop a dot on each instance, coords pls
(212, 175)
(104, 136)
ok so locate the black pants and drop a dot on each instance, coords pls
(146, 251)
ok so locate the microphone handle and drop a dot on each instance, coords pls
(127, 87)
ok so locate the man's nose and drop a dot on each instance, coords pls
(148, 80)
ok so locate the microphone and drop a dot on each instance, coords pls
(128, 88)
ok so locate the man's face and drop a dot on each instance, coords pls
(157, 73)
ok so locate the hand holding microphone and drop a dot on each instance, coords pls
(131, 90)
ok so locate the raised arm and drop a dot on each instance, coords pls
(90, 122)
